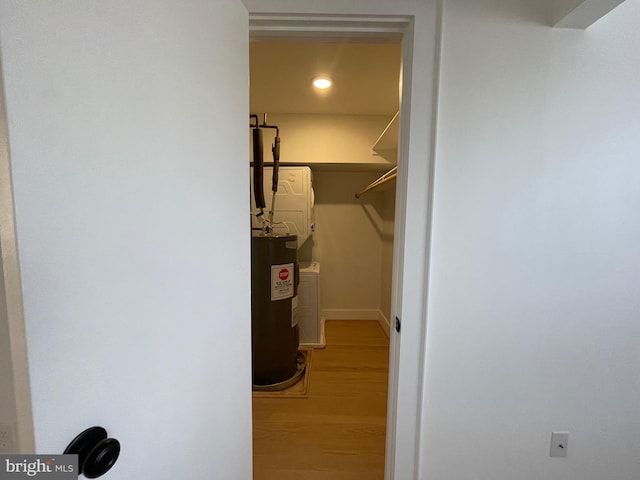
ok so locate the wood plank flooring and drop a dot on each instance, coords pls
(338, 433)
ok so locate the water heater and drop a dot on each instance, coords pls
(274, 290)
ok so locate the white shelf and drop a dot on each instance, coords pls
(387, 144)
(351, 167)
(378, 166)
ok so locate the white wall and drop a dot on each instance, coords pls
(348, 241)
(533, 311)
(122, 118)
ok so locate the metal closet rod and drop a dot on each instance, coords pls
(257, 123)
(387, 177)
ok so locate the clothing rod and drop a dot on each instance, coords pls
(387, 177)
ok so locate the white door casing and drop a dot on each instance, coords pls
(419, 27)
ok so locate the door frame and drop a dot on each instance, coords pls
(10, 269)
(407, 353)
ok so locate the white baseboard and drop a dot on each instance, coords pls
(358, 314)
(385, 324)
(350, 314)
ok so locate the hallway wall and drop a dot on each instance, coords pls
(534, 287)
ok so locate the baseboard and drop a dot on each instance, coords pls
(355, 314)
(351, 314)
(385, 324)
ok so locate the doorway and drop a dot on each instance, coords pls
(377, 30)
(345, 138)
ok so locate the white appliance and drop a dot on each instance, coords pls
(294, 201)
(309, 322)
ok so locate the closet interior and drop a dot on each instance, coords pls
(336, 192)
(347, 136)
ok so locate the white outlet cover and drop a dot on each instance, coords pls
(559, 444)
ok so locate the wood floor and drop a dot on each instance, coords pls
(338, 433)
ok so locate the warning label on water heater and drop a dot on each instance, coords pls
(282, 281)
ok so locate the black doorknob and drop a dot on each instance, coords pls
(101, 458)
(96, 453)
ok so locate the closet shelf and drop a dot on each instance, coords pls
(387, 144)
(380, 166)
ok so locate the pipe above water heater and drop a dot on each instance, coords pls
(258, 168)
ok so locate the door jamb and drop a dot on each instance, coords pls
(379, 29)
(10, 269)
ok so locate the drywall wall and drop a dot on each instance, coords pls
(313, 138)
(122, 116)
(348, 241)
(533, 311)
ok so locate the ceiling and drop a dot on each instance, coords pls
(365, 76)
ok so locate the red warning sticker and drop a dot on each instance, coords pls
(282, 278)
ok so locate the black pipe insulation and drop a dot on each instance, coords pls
(276, 163)
(258, 169)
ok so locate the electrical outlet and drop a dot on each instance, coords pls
(7, 437)
(559, 444)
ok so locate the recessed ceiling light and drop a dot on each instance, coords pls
(322, 82)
